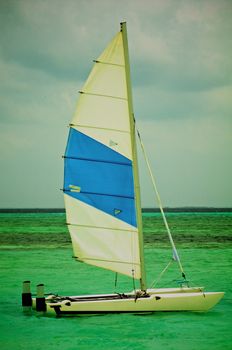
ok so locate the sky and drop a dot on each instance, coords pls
(181, 68)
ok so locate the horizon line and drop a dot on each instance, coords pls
(144, 209)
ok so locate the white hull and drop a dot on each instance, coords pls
(179, 299)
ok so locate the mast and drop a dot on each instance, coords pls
(134, 156)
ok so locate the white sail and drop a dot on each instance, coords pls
(98, 181)
(102, 110)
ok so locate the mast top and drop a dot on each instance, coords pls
(122, 24)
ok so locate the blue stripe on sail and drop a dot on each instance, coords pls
(105, 177)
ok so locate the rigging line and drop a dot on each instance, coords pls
(109, 63)
(99, 128)
(156, 281)
(133, 278)
(101, 194)
(104, 228)
(101, 95)
(97, 160)
(175, 254)
(115, 281)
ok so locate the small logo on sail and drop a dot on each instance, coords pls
(113, 143)
(74, 188)
(117, 211)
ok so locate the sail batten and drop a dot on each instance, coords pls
(99, 185)
(105, 260)
(100, 194)
(103, 228)
(110, 63)
(97, 127)
(102, 95)
(97, 160)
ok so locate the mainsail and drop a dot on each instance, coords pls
(101, 203)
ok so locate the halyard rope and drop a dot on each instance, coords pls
(175, 254)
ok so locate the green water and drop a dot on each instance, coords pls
(37, 247)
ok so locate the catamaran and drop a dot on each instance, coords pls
(102, 196)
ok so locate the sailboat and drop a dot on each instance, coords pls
(102, 196)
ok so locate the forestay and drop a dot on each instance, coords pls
(98, 176)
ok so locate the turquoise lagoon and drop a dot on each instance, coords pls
(36, 246)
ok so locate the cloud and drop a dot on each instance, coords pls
(190, 161)
(175, 44)
(195, 48)
(153, 103)
(46, 37)
(181, 72)
(31, 96)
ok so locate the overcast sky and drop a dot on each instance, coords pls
(181, 65)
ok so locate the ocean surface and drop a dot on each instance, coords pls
(37, 247)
